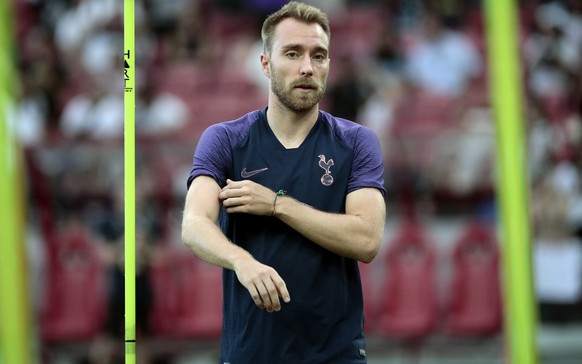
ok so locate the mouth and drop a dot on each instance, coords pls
(306, 87)
(305, 84)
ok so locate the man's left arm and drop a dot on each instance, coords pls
(356, 234)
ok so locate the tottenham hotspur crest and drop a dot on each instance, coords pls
(326, 179)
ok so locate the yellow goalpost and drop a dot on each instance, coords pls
(512, 193)
(16, 330)
(129, 177)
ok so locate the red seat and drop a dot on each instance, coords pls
(166, 294)
(475, 299)
(187, 297)
(408, 306)
(221, 105)
(201, 297)
(184, 79)
(425, 115)
(74, 305)
(556, 108)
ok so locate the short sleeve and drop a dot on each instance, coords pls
(212, 156)
(368, 165)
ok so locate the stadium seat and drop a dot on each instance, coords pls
(166, 295)
(74, 305)
(220, 105)
(353, 30)
(185, 79)
(556, 108)
(201, 300)
(224, 26)
(425, 114)
(475, 300)
(408, 307)
(187, 297)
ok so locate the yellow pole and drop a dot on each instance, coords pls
(15, 309)
(129, 179)
(506, 96)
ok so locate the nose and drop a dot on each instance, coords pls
(306, 68)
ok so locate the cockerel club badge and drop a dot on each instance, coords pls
(327, 178)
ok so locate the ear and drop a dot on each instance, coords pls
(265, 65)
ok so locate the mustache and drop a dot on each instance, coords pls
(306, 83)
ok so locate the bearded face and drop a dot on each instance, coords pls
(298, 95)
(297, 64)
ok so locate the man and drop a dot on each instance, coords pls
(299, 196)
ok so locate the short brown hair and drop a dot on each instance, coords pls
(296, 10)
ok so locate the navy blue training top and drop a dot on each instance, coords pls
(323, 323)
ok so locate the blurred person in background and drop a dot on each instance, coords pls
(557, 254)
(553, 60)
(41, 95)
(441, 61)
(181, 31)
(350, 90)
(96, 113)
(33, 109)
(299, 195)
(463, 155)
(386, 80)
(89, 33)
(158, 113)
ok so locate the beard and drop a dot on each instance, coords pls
(303, 101)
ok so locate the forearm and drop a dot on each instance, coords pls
(206, 240)
(353, 236)
(202, 235)
(263, 283)
(357, 234)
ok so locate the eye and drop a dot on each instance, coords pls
(319, 57)
(292, 54)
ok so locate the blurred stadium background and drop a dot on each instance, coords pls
(414, 71)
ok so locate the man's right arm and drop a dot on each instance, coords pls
(201, 234)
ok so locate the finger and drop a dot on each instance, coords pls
(256, 296)
(228, 185)
(266, 297)
(232, 201)
(229, 192)
(281, 288)
(273, 295)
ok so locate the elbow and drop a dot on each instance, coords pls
(372, 242)
(368, 257)
(186, 236)
(369, 251)
(191, 230)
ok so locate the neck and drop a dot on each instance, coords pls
(291, 128)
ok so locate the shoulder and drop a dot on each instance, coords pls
(213, 154)
(217, 141)
(231, 131)
(367, 169)
(349, 132)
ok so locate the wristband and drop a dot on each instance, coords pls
(277, 194)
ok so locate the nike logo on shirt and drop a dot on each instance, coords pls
(245, 174)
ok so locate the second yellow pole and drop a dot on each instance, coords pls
(512, 192)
